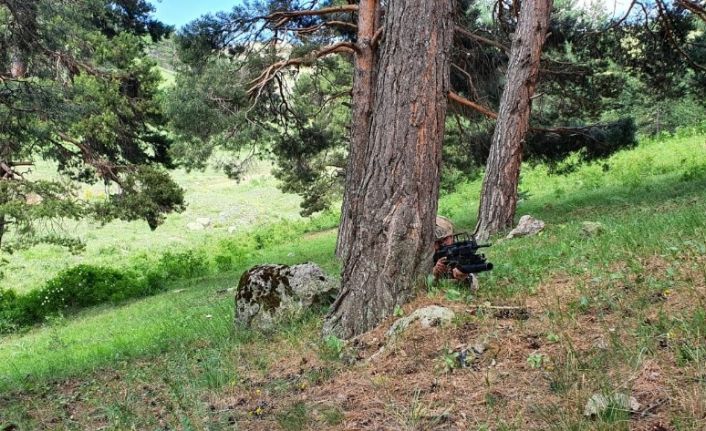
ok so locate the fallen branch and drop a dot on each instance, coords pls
(475, 307)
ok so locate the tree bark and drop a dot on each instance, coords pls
(499, 194)
(392, 223)
(18, 66)
(362, 101)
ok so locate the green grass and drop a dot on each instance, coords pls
(243, 206)
(103, 335)
(627, 177)
(182, 344)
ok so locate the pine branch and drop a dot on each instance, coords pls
(455, 97)
(695, 8)
(662, 9)
(315, 28)
(259, 83)
(280, 18)
(484, 40)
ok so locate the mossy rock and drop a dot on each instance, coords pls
(269, 293)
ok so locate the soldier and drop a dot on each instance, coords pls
(444, 234)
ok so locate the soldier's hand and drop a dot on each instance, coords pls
(439, 268)
(459, 275)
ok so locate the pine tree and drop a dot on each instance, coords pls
(77, 91)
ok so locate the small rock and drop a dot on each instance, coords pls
(232, 229)
(479, 348)
(600, 343)
(590, 228)
(599, 404)
(33, 199)
(204, 221)
(427, 317)
(527, 226)
(195, 226)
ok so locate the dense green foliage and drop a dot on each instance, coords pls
(300, 116)
(77, 89)
(301, 122)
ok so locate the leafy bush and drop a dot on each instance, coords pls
(694, 172)
(224, 262)
(181, 265)
(74, 288)
(86, 285)
(8, 307)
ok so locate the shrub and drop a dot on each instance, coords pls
(7, 298)
(224, 262)
(86, 285)
(8, 310)
(694, 172)
(74, 288)
(186, 264)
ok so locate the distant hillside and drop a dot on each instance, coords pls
(164, 53)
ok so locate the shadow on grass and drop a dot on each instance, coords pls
(607, 200)
(614, 199)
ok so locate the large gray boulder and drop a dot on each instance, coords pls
(268, 293)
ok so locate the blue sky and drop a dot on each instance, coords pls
(180, 12)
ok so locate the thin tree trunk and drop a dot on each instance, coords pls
(363, 98)
(499, 195)
(392, 224)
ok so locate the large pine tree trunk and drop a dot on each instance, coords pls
(499, 195)
(392, 224)
(362, 100)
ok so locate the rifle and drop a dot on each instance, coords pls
(463, 254)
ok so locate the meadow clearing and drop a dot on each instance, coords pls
(619, 311)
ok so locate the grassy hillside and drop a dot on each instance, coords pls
(232, 207)
(620, 312)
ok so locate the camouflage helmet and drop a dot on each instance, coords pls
(443, 228)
